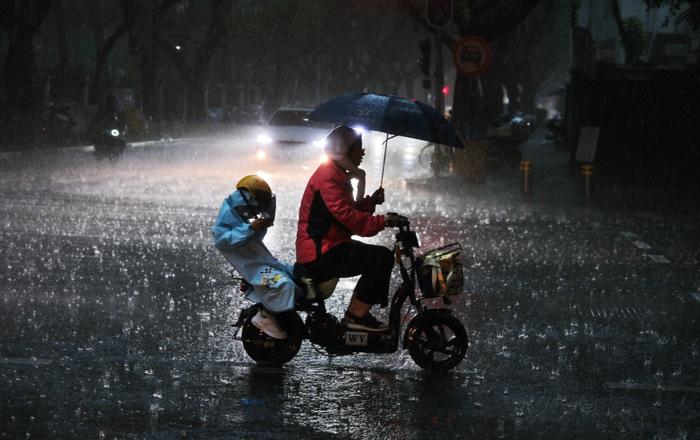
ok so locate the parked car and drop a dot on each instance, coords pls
(290, 127)
(64, 124)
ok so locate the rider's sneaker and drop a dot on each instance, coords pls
(367, 323)
(268, 324)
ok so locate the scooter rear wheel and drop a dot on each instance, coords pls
(269, 351)
(437, 343)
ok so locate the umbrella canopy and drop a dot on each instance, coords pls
(389, 114)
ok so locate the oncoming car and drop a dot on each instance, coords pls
(290, 127)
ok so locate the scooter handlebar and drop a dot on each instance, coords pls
(394, 220)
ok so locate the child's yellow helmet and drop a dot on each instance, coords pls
(258, 188)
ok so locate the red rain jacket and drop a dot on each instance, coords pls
(328, 215)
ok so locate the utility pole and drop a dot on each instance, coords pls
(438, 14)
(439, 76)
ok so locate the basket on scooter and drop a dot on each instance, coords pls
(440, 271)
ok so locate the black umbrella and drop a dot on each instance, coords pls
(391, 115)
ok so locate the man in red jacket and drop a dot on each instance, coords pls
(329, 217)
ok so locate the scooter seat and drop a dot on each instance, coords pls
(318, 291)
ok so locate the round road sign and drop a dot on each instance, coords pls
(471, 55)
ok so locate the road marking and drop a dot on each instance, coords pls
(25, 361)
(697, 296)
(651, 387)
(658, 258)
(628, 234)
(641, 244)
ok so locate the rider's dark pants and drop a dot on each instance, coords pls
(349, 259)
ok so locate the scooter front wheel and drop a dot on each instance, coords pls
(266, 350)
(436, 342)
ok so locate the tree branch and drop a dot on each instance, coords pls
(509, 21)
(162, 9)
(8, 14)
(620, 26)
(213, 37)
(174, 55)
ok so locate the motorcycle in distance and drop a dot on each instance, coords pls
(435, 339)
(110, 139)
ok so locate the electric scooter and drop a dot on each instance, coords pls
(435, 339)
(110, 141)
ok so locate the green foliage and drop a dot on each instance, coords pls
(638, 43)
(673, 4)
(681, 11)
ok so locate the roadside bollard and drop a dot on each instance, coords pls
(587, 171)
(525, 179)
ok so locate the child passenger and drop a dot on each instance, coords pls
(238, 233)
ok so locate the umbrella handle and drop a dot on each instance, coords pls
(386, 142)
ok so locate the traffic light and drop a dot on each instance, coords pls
(438, 13)
(424, 61)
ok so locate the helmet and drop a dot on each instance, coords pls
(258, 188)
(339, 140)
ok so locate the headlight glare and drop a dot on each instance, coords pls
(264, 139)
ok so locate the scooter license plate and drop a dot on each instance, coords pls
(356, 339)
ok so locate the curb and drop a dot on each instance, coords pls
(88, 147)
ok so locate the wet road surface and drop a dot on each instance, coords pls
(115, 310)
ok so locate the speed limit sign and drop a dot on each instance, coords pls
(471, 55)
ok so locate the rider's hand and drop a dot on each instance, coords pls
(378, 196)
(393, 220)
(261, 223)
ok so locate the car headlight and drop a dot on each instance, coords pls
(264, 139)
(319, 142)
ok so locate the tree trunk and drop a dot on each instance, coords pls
(98, 28)
(469, 118)
(694, 52)
(149, 74)
(20, 65)
(624, 36)
(195, 74)
(20, 69)
(148, 66)
(61, 37)
(195, 94)
(101, 60)
(489, 20)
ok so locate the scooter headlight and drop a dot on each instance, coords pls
(114, 132)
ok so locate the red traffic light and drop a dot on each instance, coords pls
(445, 90)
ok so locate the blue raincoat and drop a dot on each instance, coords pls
(244, 249)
